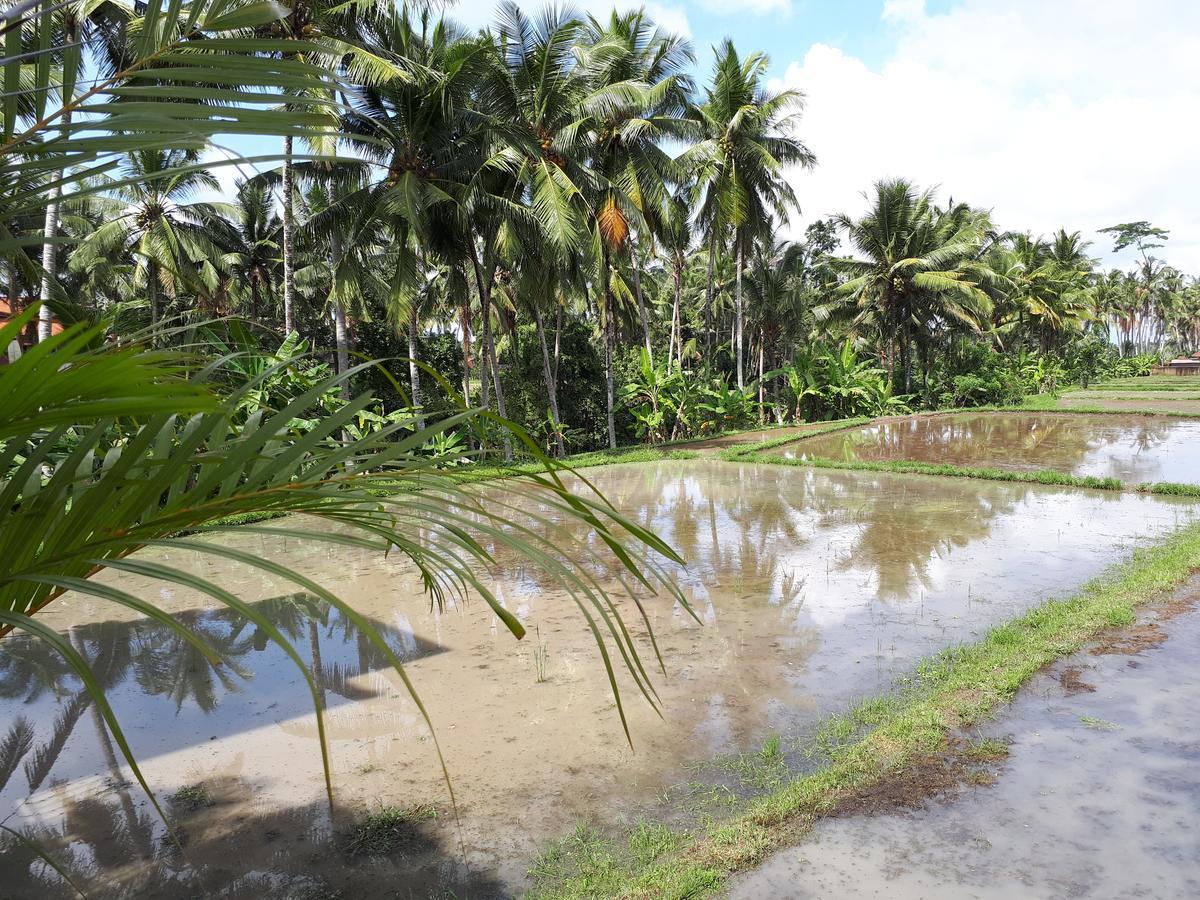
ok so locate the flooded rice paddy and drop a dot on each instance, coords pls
(813, 588)
(1133, 449)
(1099, 798)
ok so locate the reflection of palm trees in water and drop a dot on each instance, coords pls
(904, 523)
(163, 665)
(1019, 440)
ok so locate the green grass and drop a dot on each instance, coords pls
(739, 451)
(387, 828)
(946, 470)
(1172, 488)
(190, 798)
(959, 687)
(1096, 724)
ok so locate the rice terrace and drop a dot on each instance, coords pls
(483, 450)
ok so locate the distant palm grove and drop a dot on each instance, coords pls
(563, 217)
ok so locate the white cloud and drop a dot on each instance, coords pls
(1072, 113)
(903, 10)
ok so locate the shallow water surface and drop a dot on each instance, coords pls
(812, 589)
(1132, 448)
(1099, 798)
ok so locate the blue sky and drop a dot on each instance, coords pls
(1051, 113)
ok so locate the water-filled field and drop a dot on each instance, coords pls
(1131, 448)
(811, 589)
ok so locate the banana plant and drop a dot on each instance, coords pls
(651, 397)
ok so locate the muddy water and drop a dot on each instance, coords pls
(1133, 449)
(813, 588)
(1100, 797)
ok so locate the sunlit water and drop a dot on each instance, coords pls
(1134, 449)
(812, 589)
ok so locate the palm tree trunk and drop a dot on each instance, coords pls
(609, 353)
(414, 371)
(740, 314)
(464, 324)
(341, 337)
(289, 227)
(677, 277)
(708, 298)
(489, 346)
(50, 251)
(762, 342)
(558, 317)
(15, 307)
(641, 302)
(152, 293)
(551, 383)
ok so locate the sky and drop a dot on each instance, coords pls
(1075, 114)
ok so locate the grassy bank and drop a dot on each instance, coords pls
(881, 738)
(946, 470)
(739, 451)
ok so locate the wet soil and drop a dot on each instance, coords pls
(1134, 449)
(813, 589)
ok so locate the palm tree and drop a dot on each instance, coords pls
(637, 95)
(425, 143)
(253, 259)
(747, 144)
(151, 215)
(918, 264)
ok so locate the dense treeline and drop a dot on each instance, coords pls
(575, 230)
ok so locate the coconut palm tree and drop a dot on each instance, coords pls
(151, 215)
(917, 264)
(253, 258)
(747, 142)
(638, 88)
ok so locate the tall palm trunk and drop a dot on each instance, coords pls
(152, 293)
(50, 248)
(341, 336)
(550, 379)
(464, 324)
(641, 302)
(609, 354)
(762, 344)
(484, 284)
(289, 228)
(15, 307)
(708, 297)
(740, 317)
(414, 371)
(558, 326)
(677, 278)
